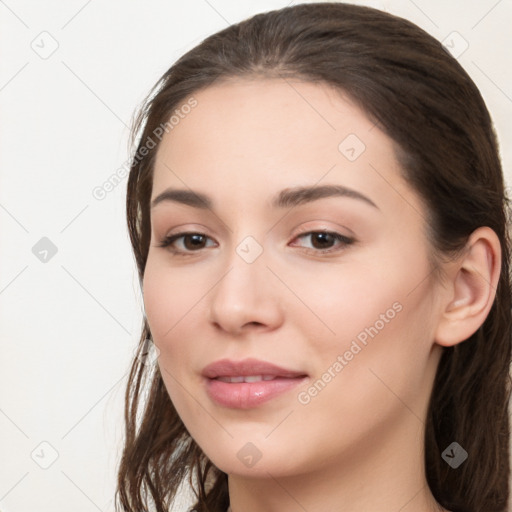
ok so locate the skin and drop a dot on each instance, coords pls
(358, 443)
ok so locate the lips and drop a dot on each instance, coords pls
(245, 368)
(248, 383)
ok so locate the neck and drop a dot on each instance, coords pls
(385, 476)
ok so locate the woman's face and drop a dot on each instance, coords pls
(332, 285)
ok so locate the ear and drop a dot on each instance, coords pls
(471, 288)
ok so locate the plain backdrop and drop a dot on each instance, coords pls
(71, 76)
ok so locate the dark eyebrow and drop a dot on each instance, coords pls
(285, 199)
(188, 197)
(299, 195)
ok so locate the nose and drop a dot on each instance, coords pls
(246, 298)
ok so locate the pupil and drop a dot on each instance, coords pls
(196, 240)
(324, 238)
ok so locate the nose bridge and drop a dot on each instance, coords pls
(245, 277)
(245, 294)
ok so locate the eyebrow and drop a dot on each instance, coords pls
(285, 199)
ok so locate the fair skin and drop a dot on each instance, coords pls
(357, 444)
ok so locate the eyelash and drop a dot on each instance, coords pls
(169, 240)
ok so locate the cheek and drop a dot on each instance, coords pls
(158, 301)
(380, 352)
(166, 312)
(341, 303)
(174, 302)
(169, 297)
(374, 313)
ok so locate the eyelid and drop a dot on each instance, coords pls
(314, 227)
(185, 229)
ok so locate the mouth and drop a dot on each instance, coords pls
(249, 383)
(247, 378)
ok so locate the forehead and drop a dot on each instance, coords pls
(242, 112)
(257, 134)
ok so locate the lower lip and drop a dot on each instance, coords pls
(246, 395)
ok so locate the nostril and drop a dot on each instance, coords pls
(256, 324)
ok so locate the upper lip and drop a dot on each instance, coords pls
(246, 367)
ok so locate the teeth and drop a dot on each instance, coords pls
(231, 379)
(248, 378)
(253, 378)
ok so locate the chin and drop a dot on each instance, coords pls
(253, 459)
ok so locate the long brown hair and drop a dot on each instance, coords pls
(421, 97)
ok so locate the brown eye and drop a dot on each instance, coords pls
(325, 241)
(196, 241)
(185, 242)
(322, 240)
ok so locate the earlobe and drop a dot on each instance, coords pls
(472, 285)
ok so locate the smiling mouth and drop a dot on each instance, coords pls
(248, 383)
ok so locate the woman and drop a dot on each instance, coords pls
(317, 211)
